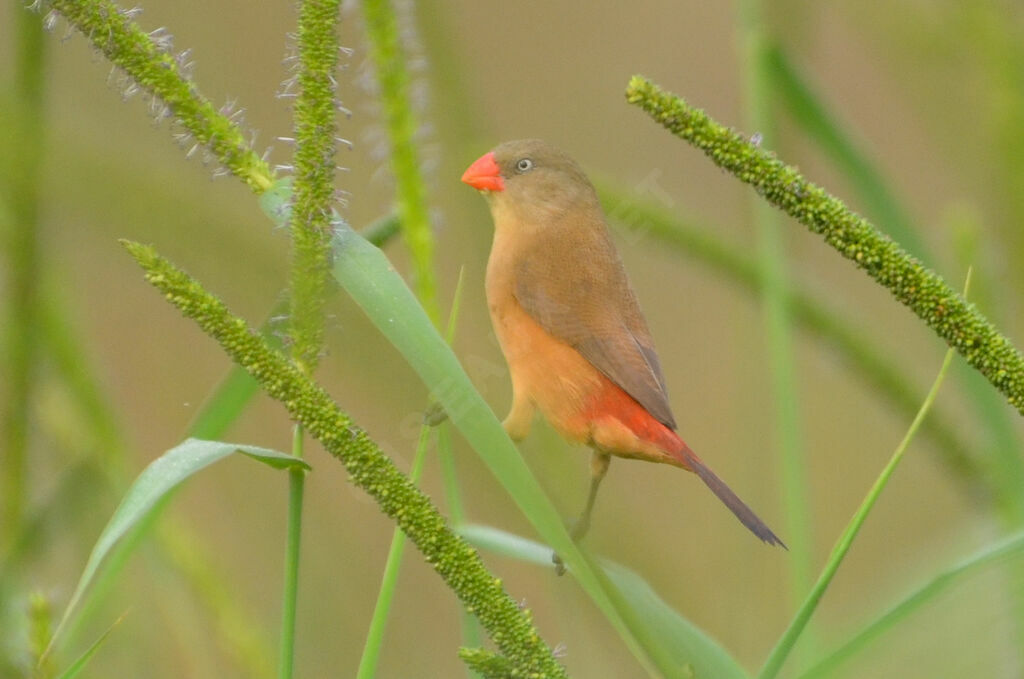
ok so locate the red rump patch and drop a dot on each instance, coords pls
(612, 401)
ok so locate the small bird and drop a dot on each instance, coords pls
(577, 346)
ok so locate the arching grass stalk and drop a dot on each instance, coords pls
(454, 560)
(147, 59)
(789, 638)
(959, 323)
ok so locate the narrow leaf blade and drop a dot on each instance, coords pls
(1008, 548)
(145, 495)
(76, 667)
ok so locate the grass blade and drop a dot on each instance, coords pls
(1007, 548)
(225, 405)
(789, 638)
(146, 494)
(76, 667)
(23, 260)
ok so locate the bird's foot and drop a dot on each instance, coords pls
(434, 415)
(559, 564)
(578, 529)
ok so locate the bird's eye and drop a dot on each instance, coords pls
(524, 164)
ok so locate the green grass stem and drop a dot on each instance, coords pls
(389, 61)
(778, 334)
(785, 645)
(19, 229)
(1010, 547)
(449, 477)
(310, 214)
(457, 516)
(289, 604)
(452, 494)
(382, 609)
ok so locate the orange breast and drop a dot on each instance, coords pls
(549, 372)
(577, 399)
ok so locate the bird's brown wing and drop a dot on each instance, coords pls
(598, 315)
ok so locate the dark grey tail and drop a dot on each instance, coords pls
(744, 513)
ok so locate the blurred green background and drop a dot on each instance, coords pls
(934, 92)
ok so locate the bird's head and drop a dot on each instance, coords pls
(530, 175)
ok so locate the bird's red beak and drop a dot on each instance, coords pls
(484, 174)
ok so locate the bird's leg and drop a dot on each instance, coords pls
(599, 463)
(520, 417)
